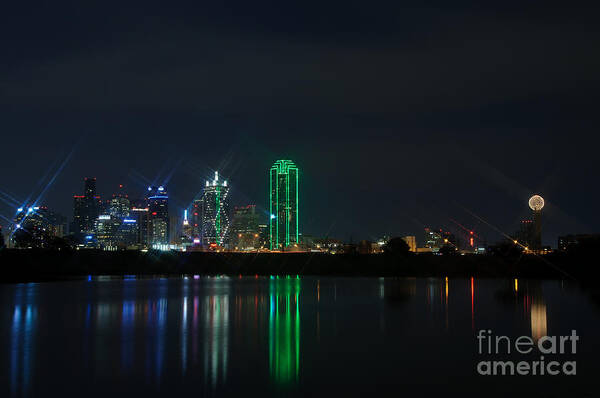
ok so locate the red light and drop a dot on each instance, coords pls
(120, 185)
(213, 245)
(153, 213)
(195, 214)
(471, 232)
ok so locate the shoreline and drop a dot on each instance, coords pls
(45, 265)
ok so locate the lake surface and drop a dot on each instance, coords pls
(267, 336)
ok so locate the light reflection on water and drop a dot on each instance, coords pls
(225, 334)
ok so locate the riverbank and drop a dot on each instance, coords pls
(40, 265)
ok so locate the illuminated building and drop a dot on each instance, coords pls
(244, 228)
(283, 205)
(86, 208)
(141, 215)
(120, 205)
(435, 240)
(536, 204)
(186, 228)
(36, 226)
(411, 241)
(526, 234)
(215, 212)
(263, 235)
(157, 200)
(106, 229)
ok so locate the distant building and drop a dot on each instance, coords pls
(244, 228)
(140, 213)
(569, 242)
(120, 205)
(536, 204)
(86, 208)
(215, 213)
(36, 226)
(157, 201)
(411, 241)
(283, 205)
(526, 235)
(263, 236)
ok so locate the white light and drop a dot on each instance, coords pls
(161, 188)
(207, 183)
(20, 209)
(30, 210)
(216, 175)
(104, 217)
(18, 226)
(149, 188)
(272, 216)
(536, 202)
(225, 183)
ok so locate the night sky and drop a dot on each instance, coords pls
(399, 115)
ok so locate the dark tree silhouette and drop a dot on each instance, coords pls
(396, 247)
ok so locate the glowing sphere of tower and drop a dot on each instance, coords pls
(536, 202)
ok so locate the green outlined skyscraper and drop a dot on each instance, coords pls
(283, 205)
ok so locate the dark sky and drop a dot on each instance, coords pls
(399, 115)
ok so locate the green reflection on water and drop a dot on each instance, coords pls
(284, 331)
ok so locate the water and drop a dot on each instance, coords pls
(283, 336)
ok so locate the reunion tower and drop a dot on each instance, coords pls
(536, 204)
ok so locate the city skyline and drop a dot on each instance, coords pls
(486, 232)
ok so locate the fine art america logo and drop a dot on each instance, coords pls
(525, 347)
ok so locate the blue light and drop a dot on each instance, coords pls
(89, 237)
(272, 216)
(128, 220)
(158, 197)
(89, 278)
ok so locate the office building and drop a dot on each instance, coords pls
(283, 205)
(214, 213)
(36, 226)
(157, 200)
(244, 228)
(141, 215)
(119, 205)
(86, 208)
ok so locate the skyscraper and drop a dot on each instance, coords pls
(120, 205)
(35, 226)
(140, 213)
(244, 228)
(158, 207)
(215, 212)
(86, 208)
(283, 227)
(536, 204)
